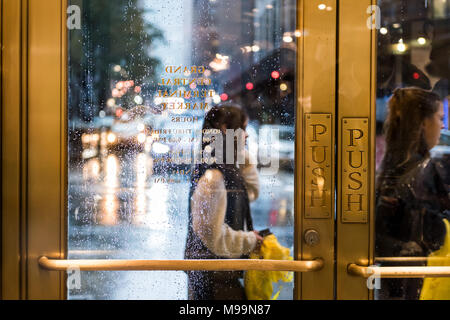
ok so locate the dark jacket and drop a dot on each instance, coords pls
(411, 203)
(218, 285)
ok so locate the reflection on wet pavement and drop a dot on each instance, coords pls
(117, 211)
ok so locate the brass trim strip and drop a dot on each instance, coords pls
(64, 168)
(44, 155)
(24, 222)
(398, 272)
(356, 51)
(413, 259)
(316, 95)
(182, 265)
(1, 147)
(12, 150)
(298, 169)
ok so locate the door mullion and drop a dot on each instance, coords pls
(356, 142)
(317, 101)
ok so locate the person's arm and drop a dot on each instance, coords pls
(434, 230)
(434, 204)
(251, 177)
(389, 212)
(209, 203)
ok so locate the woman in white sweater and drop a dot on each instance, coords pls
(220, 223)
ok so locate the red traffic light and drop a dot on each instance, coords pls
(275, 74)
(224, 97)
(249, 86)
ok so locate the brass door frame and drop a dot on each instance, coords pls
(1, 146)
(316, 91)
(12, 150)
(356, 102)
(36, 139)
(33, 144)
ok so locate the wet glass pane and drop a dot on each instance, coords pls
(413, 144)
(142, 77)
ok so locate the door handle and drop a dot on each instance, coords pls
(398, 272)
(182, 265)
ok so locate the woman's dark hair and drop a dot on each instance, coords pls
(404, 135)
(229, 115)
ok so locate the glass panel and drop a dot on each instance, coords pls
(142, 77)
(413, 166)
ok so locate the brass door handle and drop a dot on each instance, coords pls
(398, 272)
(413, 259)
(182, 265)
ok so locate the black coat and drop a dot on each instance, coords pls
(411, 203)
(207, 285)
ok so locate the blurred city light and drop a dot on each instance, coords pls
(119, 112)
(400, 47)
(111, 102)
(141, 127)
(111, 137)
(141, 137)
(287, 38)
(120, 85)
(216, 99)
(138, 100)
(220, 63)
(275, 74)
(422, 41)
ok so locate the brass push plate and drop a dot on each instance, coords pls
(355, 170)
(318, 159)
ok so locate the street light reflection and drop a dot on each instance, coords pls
(112, 171)
(140, 201)
(91, 170)
(109, 208)
(158, 209)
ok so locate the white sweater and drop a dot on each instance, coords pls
(209, 204)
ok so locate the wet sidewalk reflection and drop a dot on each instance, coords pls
(118, 211)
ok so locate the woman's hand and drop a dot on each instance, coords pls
(410, 249)
(259, 240)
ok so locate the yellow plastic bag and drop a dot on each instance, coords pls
(438, 288)
(259, 284)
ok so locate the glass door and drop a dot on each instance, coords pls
(146, 86)
(121, 115)
(393, 208)
(120, 118)
(142, 79)
(154, 145)
(413, 181)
